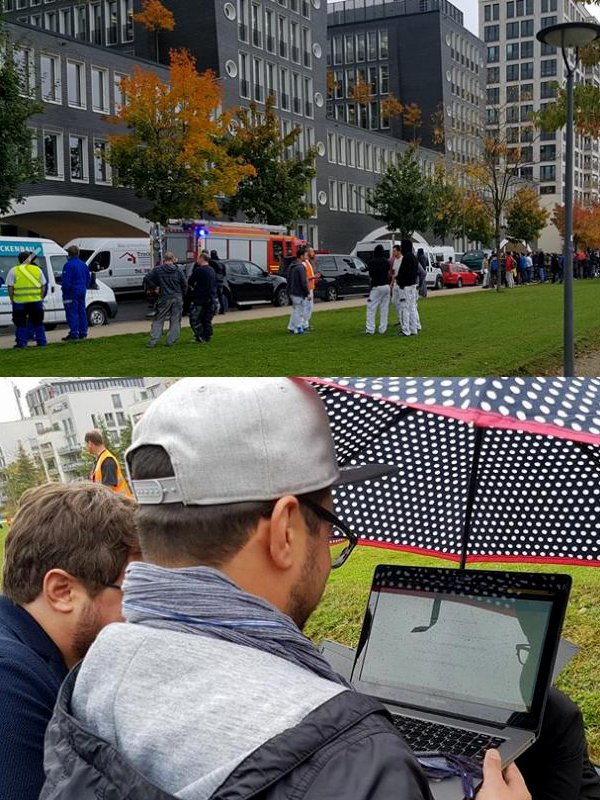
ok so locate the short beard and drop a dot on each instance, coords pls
(88, 628)
(302, 601)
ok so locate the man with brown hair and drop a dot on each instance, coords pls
(65, 556)
(107, 469)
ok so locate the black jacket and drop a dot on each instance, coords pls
(202, 286)
(408, 273)
(379, 271)
(346, 748)
(297, 280)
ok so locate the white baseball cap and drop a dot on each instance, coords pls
(233, 440)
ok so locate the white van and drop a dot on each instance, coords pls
(101, 304)
(434, 254)
(120, 263)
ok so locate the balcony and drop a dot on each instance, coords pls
(68, 449)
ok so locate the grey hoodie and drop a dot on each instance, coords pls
(168, 278)
(186, 709)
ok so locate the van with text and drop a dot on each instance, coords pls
(120, 263)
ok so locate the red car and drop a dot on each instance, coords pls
(454, 274)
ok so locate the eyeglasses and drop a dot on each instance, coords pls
(445, 765)
(342, 540)
(113, 586)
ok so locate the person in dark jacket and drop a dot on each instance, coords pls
(298, 291)
(407, 280)
(379, 296)
(168, 282)
(202, 289)
(211, 690)
(65, 554)
(74, 284)
(221, 274)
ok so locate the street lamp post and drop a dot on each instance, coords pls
(569, 36)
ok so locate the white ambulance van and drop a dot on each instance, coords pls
(120, 263)
(50, 257)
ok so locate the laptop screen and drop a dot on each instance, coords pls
(468, 647)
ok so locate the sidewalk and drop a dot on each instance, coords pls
(116, 328)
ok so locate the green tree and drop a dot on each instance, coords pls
(21, 474)
(275, 193)
(477, 219)
(17, 164)
(525, 217)
(116, 444)
(446, 204)
(401, 198)
(586, 107)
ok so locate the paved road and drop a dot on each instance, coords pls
(131, 317)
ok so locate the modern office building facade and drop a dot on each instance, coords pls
(257, 48)
(79, 85)
(522, 76)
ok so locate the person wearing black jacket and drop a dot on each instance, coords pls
(203, 299)
(298, 291)
(379, 296)
(221, 274)
(407, 280)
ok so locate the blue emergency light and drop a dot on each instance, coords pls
(201, 232)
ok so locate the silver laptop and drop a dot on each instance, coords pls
(462, 659)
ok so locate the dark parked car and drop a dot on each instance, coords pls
(341, 275)
(246, 283)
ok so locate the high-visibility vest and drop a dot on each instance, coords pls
(28, 284)
(310, 275)
(96, 476)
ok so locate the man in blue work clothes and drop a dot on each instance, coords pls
(27, 286)
(74, 283)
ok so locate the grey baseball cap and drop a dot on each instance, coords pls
(232, 440)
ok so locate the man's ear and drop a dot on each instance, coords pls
(286, 532)
(60, 589)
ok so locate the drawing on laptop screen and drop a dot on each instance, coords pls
(477, 649)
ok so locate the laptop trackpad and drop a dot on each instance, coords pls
(448, 789)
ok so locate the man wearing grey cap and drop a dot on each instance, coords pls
(210, 690)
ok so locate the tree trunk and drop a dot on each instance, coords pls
(497, 233)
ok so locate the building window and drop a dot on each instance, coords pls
(244, 76)
(282, 32)
(25, 68)
(102, 169)
(547, 189)
(512, 30)
(384, 79)
(548, 152)
(337, 49)
(66, 26)
(118, 92)
(548, 68)
(271, 76)
(76, 84)
(333, 195)
(350, 82)
(548, 89)
(284, 88)
(243, 32)
(493, 55)
(50, 21)
(127, 20)
(526, 28)
(294, 43)
(548, 21)
(256, 19)
(510, 9)
(512, 114)
(51, 87)
(493, 75)
(512, 51)
(78, 158)
(491, 33)
(308, 93)
(548, 172)
(512, 72)
(53, 155)
(361, 47)
(296, 93)
(82, 28)
(526, 49)
(341, 149)
(307, 48)
(100, 89)
(269, 31)
(259, 81)
(512, 94)
(343, 195)
(526, 92)
(526, 112)
(383, 44)
(493, 96)
(372, 45)
(331, 147)
(112, 22)
(96, 12)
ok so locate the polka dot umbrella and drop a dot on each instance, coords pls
(490, 469)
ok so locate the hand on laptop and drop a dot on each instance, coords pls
(498, 785)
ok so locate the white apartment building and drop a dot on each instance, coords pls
(64, 409)
(522, 75)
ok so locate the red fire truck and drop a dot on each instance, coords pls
(265, 245)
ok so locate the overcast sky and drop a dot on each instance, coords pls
(8, 404)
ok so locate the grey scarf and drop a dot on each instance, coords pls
(201, 600)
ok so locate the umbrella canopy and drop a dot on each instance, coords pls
(490, 469)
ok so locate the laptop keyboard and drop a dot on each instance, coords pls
(422, 735)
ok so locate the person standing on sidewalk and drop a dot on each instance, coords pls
(74, 283)
(309, 258)
(203, 299)
(220, 272)
(408, 279)
(27, 287)
(395, 262)
(379, 296)
(168, 281)
(298, 291)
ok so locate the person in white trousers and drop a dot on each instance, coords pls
(407, 280)
(379, 296)
(309, 261)
(395, 262)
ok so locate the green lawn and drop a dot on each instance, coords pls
(482, 333)
(340, 615)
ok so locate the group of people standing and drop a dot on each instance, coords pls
(399, 279)
(302, 279)
(519, 269)
(27, 286)
(201, 295)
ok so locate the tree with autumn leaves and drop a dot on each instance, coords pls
(174, 153)
(155, 18)
(525, 216)
(586, 224)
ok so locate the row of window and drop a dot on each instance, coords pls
(344, 81)
(368, 116)
(347, 151)
(523, 92)
(290, 90)
(109, 419)
(514, 30)
(297, 6)
(69, 156)
(344, 196)
(353, 47)
(525, 69)
(276, 33)
(514, 8)
(107, 23)
(48, 73)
